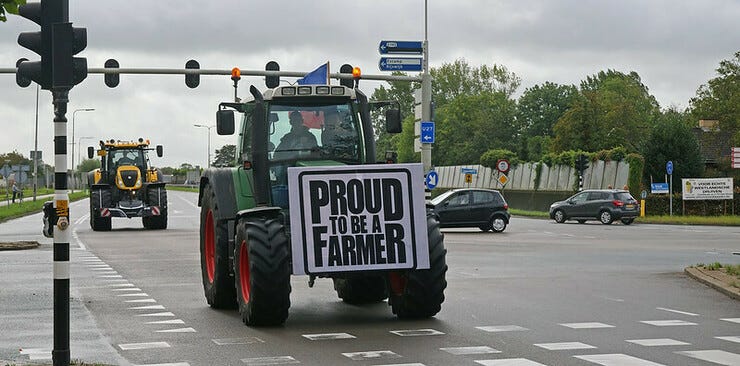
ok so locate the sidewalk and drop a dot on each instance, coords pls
(9, 201)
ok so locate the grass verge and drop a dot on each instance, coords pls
(731, 270)
(28, 207)
(518, 212)
(182, 188)
(666, 220)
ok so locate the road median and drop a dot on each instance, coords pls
(716, 279)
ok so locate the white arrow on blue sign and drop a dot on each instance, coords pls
(669, 167)
(432, 179)
(400, 48)
(400, 64)
(427, 132)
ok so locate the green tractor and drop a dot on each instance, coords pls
(126, 185)
(307, 197)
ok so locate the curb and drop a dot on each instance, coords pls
(712, 282)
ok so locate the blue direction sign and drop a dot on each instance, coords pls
(468, 171)
(656, 188)
(400, 48)
(427, 132)
(432, 179)
(669, 167)
(400, 64)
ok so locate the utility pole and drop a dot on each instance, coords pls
(426, 100)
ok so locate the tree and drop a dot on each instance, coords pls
(225, 156)
(719, 98)
(14, 158)
(671, 139)
(612, 109)
(458, 79)
(402, 92)
(88, 165)
(538, 109)
(9, 6)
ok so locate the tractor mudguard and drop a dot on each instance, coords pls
(266, 212)
(222, 183)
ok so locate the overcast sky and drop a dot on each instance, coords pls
(674, 45)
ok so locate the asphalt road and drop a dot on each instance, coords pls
(538, 294)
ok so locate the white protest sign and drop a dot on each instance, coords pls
(358, 218)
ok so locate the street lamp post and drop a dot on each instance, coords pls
(72, 186)
(209, 141)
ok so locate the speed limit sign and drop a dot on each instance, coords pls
(502, 165)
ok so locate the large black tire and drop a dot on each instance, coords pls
(99, 198)
(361, 290)
(218, 284)
(156, 197)
(420, 293)
(262, 271)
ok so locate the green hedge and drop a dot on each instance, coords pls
(658, 204)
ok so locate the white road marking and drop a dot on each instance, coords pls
(613, 299)
(165, 313)
(326, 336)
(171, 321)
(501, 328)
(74, 234)
(109, 272)
(111, 276)
(370, 355)
(657, 342)
(562, 346)
(592, 325)
(92, 260)
(178, 330)
(121, 285)
(142, 300)
(105, 268)
(126, 289)
(263, 361)
(37, 353)
(475, 350)
(416, 332)
(404, 364)
(714, 355)
(149, 345)
(666, 323)
(234, 341)
(732, 320)
(509, 362)
(140, 294)
(678, 311)
(730, 338)
(188, 202)
(617, 359)
(167, 364)
(148, 307)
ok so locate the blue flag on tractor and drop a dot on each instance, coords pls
(318, 76)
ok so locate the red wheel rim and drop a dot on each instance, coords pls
(244, 271)
(398, 283)
(210, 246)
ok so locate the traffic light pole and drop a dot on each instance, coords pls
(61, 354)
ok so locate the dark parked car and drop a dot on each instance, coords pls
(605, 205)
(485, 209)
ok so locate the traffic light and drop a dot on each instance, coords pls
(112, 80)
(192, 80)
(581, 163)
(21, 80)
(67, 41)
(43, 14)
(346, 69)
(272, 81)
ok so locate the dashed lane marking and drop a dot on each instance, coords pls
(617, 359)
(121, 285)
(404, 364)
(111, 276)
(126, 289)
(264, 361)
(371, 355)
(475, 350)
(416, 332)
(37, 353)
(667, 323)
(730, 338)
(678, 311)
(328, 336)
(140, 294)
(502, 328)
(732, 320)
(563, 346)
(591, 325)
(657, 342)
(142, 300)
(149, 345)
(178, 330)
(166, 313)
(509, 362)
(167, 364)
(714, 355)
(235, 341)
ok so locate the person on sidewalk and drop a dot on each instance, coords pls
(15, 191)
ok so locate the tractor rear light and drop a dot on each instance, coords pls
(322, 90)
(617, 203)
(304, 90)
(337, 90)
(287, 90)
(247, 165)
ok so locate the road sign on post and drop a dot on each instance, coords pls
(669, 170)
(432, 179)
(427, 132)
(669, 167)
(400, 64)
(400, 48)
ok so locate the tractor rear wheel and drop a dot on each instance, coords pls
(156, 197)
(420, 293)
(99, 198)
(218, 285)
(361, 290)
(262, 271)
